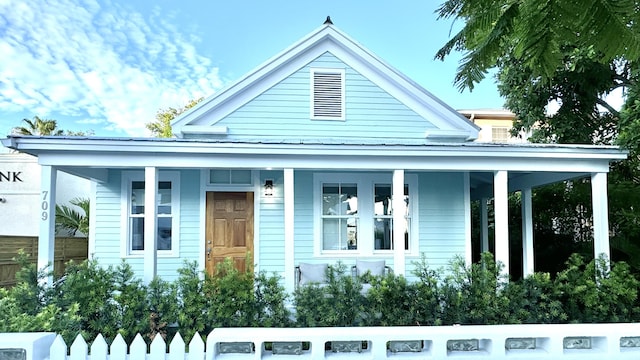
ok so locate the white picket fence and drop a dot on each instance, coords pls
(100, 350)
(561, 341)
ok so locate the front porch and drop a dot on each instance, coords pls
(290, 223)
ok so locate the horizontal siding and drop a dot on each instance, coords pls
(108, 232)
(304, 217)
(283, 111)
(271, 227)
(189, 225)
(441, 212)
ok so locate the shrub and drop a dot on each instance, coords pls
(392, 301)
(90, 299)
(591, 292)
(475, 294)
(193, 302)
(129, 308)
(90, 288)
(338, 303)
(162, 303)
(429, 310)
(535, 300)
(28, 306)
(233, 299)
(270, 302)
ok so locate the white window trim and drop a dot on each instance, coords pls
(365, 183)
(125, 197)
(342, 72)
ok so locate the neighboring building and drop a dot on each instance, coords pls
(20, 196)
(302, 161)
(495, 125)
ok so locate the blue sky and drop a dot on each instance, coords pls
(109, 66)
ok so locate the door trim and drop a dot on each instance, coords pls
(257, 200)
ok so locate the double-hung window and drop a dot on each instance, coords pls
(354, 213)
(383, 217)
(167, 212)
(339, 216)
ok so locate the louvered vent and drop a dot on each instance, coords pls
(327, 95)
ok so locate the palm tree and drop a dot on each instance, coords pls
(535, 32)
(72, 221)
(39, 127)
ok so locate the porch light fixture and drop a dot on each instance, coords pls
(268, 187)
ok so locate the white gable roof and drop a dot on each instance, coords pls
(202, 119)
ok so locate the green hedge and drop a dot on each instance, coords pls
(90, 299)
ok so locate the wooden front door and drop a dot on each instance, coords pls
(229, 229)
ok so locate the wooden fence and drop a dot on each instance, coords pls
(67, 248)
(509, 342)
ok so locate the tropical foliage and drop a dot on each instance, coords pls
(161, 126)
(556, 64)
(39, 126)
(535, 33)
(72, 221)
(90, 299)
(45, 127)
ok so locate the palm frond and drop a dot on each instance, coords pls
(72, 221)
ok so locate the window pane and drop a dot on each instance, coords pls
(164, 233)
(382, 199)
(236, 177)
(137, 197)
(241, 177)
(137, 233)
(339, 199)
(350, 199)
(220, 176)
(383, 233)
(339, 234)
(331, 234)
(164, 197)
(330, 199)
(406, 199)
(406, 234)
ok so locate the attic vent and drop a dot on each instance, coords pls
(327, 94)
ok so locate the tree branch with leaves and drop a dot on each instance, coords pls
(161, 126)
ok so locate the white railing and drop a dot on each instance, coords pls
(562, 341)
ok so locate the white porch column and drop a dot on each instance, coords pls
(150, 223)
(527, 232)
(600, 215)
(47, 214)
(501, 211)
(484, 225)
(289, 276)
(468, 248)
(399, 222)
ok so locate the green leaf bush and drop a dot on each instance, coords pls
(90, 299)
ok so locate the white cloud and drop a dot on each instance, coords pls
(97, 58)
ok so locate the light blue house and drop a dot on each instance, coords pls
(324, 153)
